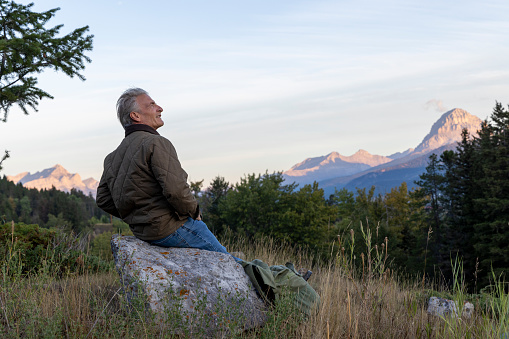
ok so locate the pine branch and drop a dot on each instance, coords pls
(27, 47)
(5, 156)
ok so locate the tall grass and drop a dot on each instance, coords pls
(357, 301)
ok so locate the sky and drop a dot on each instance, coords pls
(255, 86)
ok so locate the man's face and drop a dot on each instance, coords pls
(149, 112)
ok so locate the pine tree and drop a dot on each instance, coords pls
(492, 230)
(462, 187)
(213, 197)
(27, 47)
(432, 186)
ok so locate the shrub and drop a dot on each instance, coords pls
(26, 249)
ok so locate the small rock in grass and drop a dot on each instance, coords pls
(445, 307)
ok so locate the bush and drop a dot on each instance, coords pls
(26, 249)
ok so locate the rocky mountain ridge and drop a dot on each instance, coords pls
(332, 164)
(58, 177)
(444, 134)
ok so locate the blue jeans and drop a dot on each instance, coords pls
(194, 234)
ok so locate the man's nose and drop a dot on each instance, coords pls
(159, 108)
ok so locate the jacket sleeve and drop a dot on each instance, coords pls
(173, 179)
(104, 199)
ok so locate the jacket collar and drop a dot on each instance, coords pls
(139, 127)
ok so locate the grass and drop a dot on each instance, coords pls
(370, 301)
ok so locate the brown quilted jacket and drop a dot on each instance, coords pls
(144, 185)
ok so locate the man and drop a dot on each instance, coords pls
(144, 184)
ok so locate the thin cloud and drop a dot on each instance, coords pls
(436, 105)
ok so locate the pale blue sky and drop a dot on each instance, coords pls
(249, 86)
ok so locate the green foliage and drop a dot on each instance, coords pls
(432, 185)
(31, 249)
(307, 219)
(491, 230)
(101, 246)
(264, 205)
(103, 229)
(27, 47)
(212, 201)
(58, 221)
(196, 187)
(254, 205)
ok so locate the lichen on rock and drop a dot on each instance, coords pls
(197, 289)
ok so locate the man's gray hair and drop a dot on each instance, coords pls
(127, 104)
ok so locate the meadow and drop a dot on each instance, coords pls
(367, 301)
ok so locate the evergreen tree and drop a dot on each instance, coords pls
(255, 204)
(462, 187)
(402, 235)
(27, 47)
(344, 201)
(492, 230)
(432, 184)
(211, 206)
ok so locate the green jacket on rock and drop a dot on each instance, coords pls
(144, 184)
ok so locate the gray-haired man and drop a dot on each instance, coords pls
(144, 184)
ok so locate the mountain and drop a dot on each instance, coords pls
(333, 165)
(392, 170)
(384, 178)
(447, 130)
(58, 177)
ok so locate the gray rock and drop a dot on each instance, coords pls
(445, 307)
(196, 291)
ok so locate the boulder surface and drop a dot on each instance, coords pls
(193, 289)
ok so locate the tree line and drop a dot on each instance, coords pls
(264, 205)
(47, 207)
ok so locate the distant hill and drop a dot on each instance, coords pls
(58, 177)
(365, 170)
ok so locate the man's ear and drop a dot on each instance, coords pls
(135, 116)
